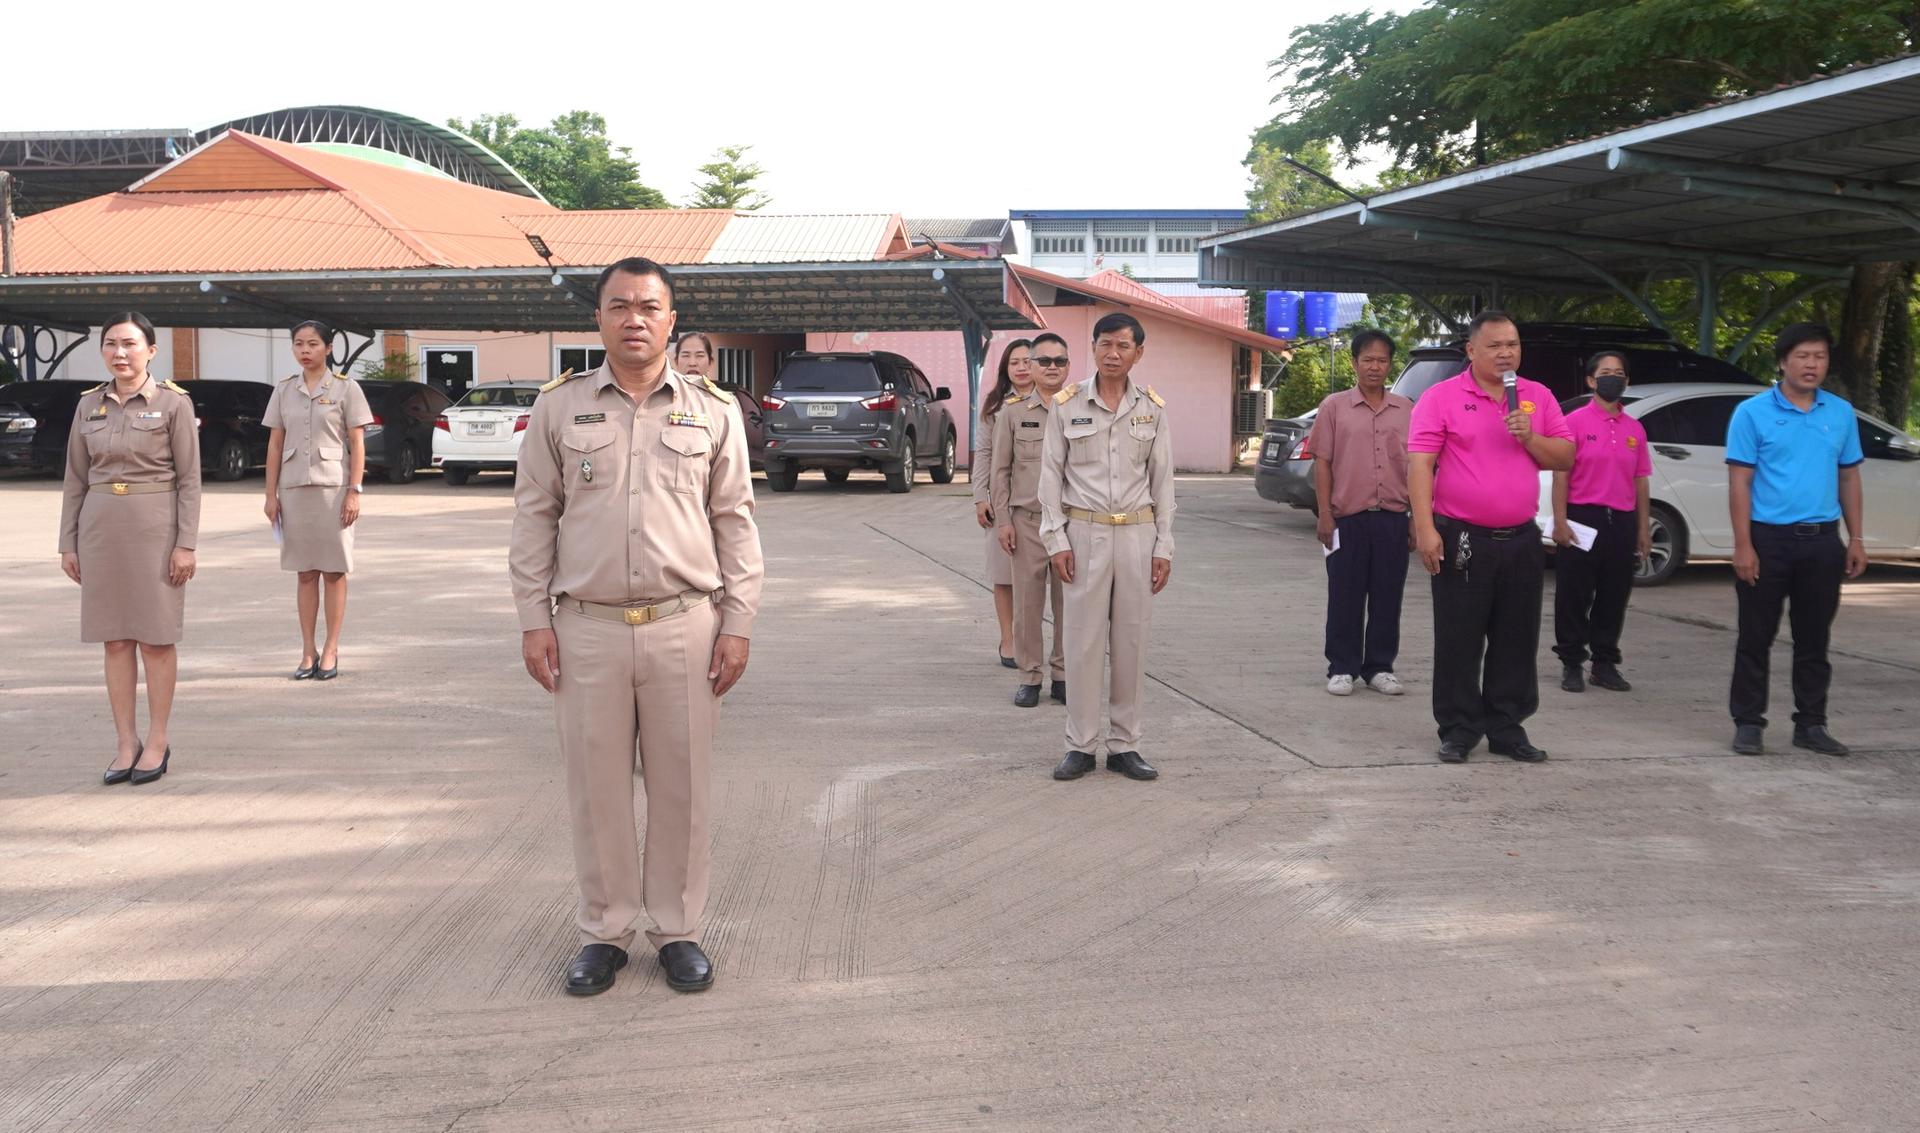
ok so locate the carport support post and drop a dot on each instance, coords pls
(975, 335)
(1709, 285)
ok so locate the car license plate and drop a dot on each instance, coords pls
(483, 429)
(823, 409)
(1273, 451)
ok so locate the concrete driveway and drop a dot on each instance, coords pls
(347, 906)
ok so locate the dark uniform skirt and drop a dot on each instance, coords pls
(310, 522)
(125, 544)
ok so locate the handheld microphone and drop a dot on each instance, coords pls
(1512, 381)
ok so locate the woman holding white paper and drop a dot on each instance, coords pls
(1605, 492)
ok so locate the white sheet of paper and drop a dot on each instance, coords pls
(1583, 536)
(1326, 550)
(279, 532)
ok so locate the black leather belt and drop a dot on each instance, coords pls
(1495, 533)
(1802, 530)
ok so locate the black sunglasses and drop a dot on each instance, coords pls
(1050, 363)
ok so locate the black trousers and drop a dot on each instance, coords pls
(1486, 633)
(1366, 579)
(1591, 588)
(1800, 567)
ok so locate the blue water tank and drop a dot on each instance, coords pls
(1322, 313)
(1283, 314)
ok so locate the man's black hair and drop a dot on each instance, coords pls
(633, 265)
(1117, 321)
(1365, 338)
(1048, 336)
(1797, 335)
(1489, 316)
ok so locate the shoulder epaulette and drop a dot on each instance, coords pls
(177, 388)
(565, 377)
(1013, 397)
(95, 389)
(1156, 398)
(714, 388)
(1066, 394)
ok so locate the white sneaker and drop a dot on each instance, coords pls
(1387, 683)
(1340, 685)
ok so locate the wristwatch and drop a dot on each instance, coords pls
(355, 488)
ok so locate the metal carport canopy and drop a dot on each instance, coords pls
(721, 298)
(1811, 178)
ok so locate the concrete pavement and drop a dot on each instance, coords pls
(348, 905)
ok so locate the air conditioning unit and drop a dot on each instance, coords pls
(1251, 408)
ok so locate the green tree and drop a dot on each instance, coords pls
(729, 181)
(571, 162)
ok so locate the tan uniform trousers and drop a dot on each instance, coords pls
(624, 685)
(1109, 603)
(1033, 583)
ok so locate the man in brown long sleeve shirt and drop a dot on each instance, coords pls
(636, 569)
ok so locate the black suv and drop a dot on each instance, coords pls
(1554, 354)
(839, 412)
(400, 439)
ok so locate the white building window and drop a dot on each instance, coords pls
(579, 359)
(1175, 245)
(734, 367)
(1120, 245)
(1059, 245)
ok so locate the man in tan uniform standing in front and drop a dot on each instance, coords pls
(636, 569)
(1019, 433)
(1106, 501)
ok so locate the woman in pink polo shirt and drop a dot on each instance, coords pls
(1606, 490)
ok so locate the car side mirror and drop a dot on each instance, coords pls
(942, 393)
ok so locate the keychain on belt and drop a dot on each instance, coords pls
(1463, 555)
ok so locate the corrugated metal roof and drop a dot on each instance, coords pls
(762, 238)
(951, 228)
(669, 236)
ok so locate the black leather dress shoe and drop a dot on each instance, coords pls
(1571, 680)
(1026, 696)
(121, 774)
(1746, 739)
(1454, 751)
(1007, 662)
(1074, 765)
(687, 968)
(149, 774)
(1059, 692)
(1519, 749)
(1607, 677)
(1815, 737)
(1130, 764)
(592, 971)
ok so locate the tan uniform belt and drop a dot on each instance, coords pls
(123, 488)
(1111, 519)
(637, 615)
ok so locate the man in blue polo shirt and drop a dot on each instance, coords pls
(1793, 457)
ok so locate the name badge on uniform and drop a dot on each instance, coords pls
(1083, 420)
(586, 469)
(150, 416)
(322, 401)
(694, 419)
(588, 418)
(1144, 420)
(1029, 424)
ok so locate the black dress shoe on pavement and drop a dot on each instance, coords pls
(1746, 739)
(1521, 750)
(687, 968)
(1007, 662)
(120, 774)
(1130, 764)
(1607, 677)
(1571, 680)
(1815, 737)
(1059, 692)
(1074, 765)
(1026, 696)
(306, 670)
(592, 971)
(1454, 751)
(150, 774)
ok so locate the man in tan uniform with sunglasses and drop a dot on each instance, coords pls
(636, 569)
(1019, 433)
(1106, 501)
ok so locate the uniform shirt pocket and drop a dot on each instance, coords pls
(684, 467)
(1027, 448)
(96, 436)
(149, 436)
(1142, 437)
(1083, 444)
(589, 466)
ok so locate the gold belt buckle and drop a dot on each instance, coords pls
(1118, 518)
(119, 489)
(639, 615)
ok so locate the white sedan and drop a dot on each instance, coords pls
(481, 432)
(1686, 425)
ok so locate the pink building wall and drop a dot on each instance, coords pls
(509, 356)
(1192, 369)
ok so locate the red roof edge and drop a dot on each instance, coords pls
(1169, 311)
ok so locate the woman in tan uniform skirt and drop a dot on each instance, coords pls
(129, 519)
(316, 459)
(1016, 376)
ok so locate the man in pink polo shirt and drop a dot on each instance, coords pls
(1473, 482)
(1607, 490)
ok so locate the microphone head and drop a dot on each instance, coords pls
(1510, 378)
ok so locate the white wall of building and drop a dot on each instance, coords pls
(84, 363)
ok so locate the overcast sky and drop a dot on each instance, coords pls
(922, 109)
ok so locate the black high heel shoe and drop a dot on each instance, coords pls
(306, 671)
(328, 674)
(121, 774)
(140, 777)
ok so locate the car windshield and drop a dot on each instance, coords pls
(1422, 374)
(499, 397)
(827, 375)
